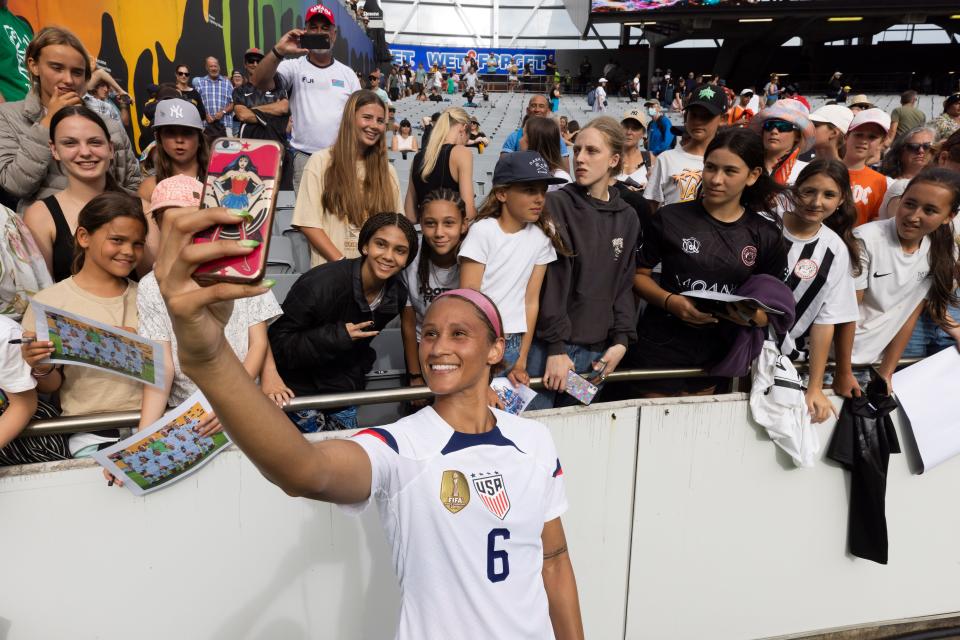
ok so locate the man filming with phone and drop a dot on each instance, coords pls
(318, 86)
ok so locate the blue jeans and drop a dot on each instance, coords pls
(583, 359)
(928, 338)
(511, 352)
(314, 420)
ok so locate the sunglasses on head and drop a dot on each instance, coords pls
(917, 147)
(779, 125)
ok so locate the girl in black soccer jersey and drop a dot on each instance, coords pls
(823, 256)
(713, 243)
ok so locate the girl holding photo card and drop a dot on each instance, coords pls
(713, 243)
(587, 311)
(111, 231)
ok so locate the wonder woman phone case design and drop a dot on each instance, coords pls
(242, 174)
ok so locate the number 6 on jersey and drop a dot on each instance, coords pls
(493, 554)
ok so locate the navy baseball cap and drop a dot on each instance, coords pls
(523, 166)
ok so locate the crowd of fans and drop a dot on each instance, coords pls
(587, 240)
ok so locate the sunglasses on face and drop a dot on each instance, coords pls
(917, 147)
(183, 73)
(779, 125)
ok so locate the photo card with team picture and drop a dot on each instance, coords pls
(87, 343)
(170, 449)
(514, 399)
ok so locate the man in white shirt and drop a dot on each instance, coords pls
(600, 99)
(318, 85)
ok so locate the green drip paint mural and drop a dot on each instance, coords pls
(141, 42)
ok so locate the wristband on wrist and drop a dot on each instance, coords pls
(666, 301)
(275, 52)
(38, 375)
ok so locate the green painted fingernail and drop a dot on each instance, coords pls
(250, 244)
(267, 283)
(241, 213)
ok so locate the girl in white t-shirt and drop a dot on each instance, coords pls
(818, 229)
(908, 264)
(443, 222)
(507, 250)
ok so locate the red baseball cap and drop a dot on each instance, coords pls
(319, 11)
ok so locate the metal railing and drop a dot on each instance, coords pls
(128, 419)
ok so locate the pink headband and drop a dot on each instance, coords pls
(481, 302)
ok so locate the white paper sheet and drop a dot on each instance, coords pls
(927, 392)
(87, 343)
(514, 400)
(167, 450)
(716, 296)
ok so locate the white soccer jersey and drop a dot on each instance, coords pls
(464, 514)
(895, 283)
(822, 285)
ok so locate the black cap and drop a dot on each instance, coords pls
(710, 98)
(523, 166)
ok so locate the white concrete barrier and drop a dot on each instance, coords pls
(685, 522)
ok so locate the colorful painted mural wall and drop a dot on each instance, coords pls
(141, 42)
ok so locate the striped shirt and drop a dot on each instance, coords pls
(216, 95)
(822, 285)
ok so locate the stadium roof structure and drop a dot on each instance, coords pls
(773, 21)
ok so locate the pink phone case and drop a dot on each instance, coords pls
(580, 388)
(241, 174)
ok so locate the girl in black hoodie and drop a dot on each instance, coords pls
(322, 341)
(587, 308)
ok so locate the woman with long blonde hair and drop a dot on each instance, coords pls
(444, 163)
(344, 185)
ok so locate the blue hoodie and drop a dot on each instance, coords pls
(660, 137)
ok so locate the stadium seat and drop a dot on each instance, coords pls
(286, 199)
(284, 284)
(300, 248)
(282, 221)
(280, 259)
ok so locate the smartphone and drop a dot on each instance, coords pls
(242, 174)
(314, 41)
(580, 388)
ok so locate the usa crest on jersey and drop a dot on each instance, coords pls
(493, 493)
